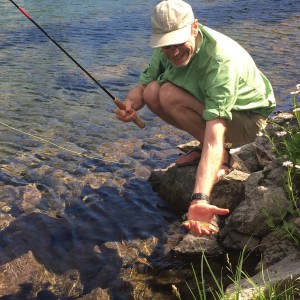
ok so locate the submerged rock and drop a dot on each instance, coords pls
(27, 278)
(30, 198)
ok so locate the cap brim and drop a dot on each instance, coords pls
(176, 37)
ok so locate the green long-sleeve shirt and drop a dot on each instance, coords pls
(221, 74)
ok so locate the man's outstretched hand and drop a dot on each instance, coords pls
(201, 217)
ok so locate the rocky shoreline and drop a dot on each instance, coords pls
(255, 195)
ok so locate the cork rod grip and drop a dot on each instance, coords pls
(122, 106)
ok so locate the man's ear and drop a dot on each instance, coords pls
(195, 27)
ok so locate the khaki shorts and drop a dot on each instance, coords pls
(244, 127)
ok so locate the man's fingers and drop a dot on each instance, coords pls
(201, 231)
(124, 115)
(221, 211)
(187, 224)
(199, 227)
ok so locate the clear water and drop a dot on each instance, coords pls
(45, 94)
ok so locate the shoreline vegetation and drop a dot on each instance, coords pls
(286, 147)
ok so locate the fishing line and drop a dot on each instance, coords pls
(81, 154)
(144, 153)
(41, 139)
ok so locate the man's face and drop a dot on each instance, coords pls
(180, 55)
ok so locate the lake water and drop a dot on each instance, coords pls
(104, 197)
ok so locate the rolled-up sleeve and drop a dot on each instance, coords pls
(155, 69)
(221, 90)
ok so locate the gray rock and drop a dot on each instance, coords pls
(175, 185)
(261, 203)
(193, 245)
(275, 247)
(230, 191)
(283, 274)
(239, 241)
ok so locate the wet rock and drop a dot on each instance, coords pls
(96, 294)
(192, 245)
(172, 237)
(30, 198)
(179, 242)
(16, 274)
(5, 220)
(9, 197)
(175, 185)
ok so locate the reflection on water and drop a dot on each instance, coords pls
(62, 206)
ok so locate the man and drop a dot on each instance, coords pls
(204, 83)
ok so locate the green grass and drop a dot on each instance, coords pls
(288, 150)
(286, 290)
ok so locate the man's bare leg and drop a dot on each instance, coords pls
(180, 109)
(177, 107)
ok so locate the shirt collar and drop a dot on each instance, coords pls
(199, 41)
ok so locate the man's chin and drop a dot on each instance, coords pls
(180, 64)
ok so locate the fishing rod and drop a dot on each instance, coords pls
(117, 101)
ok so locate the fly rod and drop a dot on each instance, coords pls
(117, 101)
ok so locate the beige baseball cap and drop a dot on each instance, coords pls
(171, 23)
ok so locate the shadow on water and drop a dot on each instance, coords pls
(61, 248)
(93, 231)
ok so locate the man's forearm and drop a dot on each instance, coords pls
(135, 96)
(208, 168)
(211, 157)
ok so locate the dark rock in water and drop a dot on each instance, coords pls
(26, 268)
(179, 242)
(30, 198)
(175, 185)
(97, 293)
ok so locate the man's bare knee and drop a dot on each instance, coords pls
(172, 96)
(168, 95)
